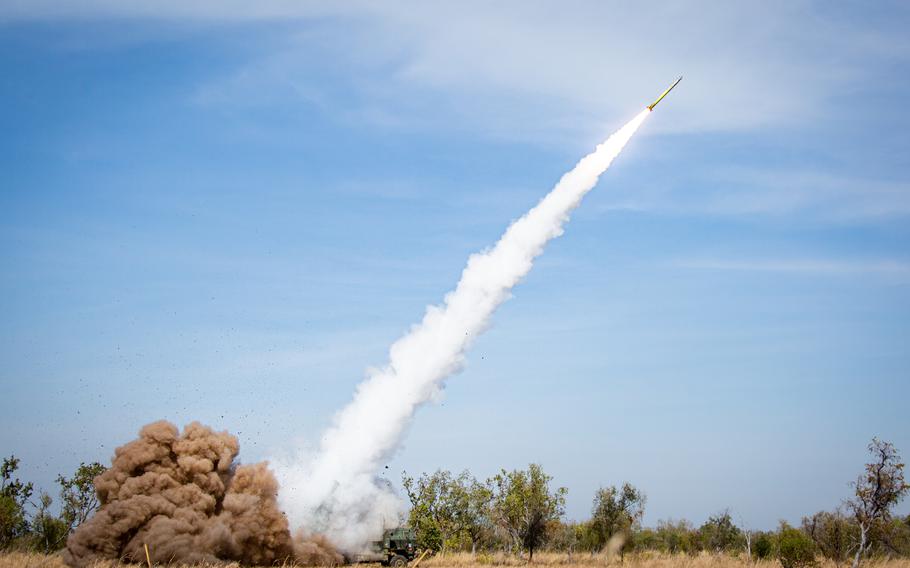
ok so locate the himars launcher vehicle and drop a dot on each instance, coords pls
(397, 548)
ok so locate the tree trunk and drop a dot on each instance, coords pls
(862, 545)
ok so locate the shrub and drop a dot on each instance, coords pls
(763, 547)
(720, 534)
(796, 548)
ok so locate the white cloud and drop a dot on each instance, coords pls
(839, 198)
(539, 67)
(200, 10)
(768, 192)
(563, 74)
(898, 269)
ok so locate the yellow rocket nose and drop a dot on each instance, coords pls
(664, 94)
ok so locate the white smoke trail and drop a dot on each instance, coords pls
(337, 492)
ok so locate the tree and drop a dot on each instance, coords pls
(646, 539)
(78, 494)
(796, 549)
(429, 515)
(719, 533)
(472, 508)
(616, 512)
(676, 536)
(764, 546)
(523, 505)
(49, 533)
(585, 539)
(877, 491)
(896, 537)
(44, 531)
(562, 537)
(448, 511)
(13, 497)
(747, 535)
(832, 532)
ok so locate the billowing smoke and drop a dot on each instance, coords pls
(183, 495)
(337, 491)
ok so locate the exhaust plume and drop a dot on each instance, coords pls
(185, 497)
(337, 491)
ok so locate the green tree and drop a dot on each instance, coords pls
(563, 537)
(832, 532)
(616, 512)
(676, 536)
(471, 500)
(895, 537)
(763, 546)
(585, 537)
(78, 494)
(48, 532)
(448, 511)
(796, 549)
(647, 539)
(523, 506)
(13, 497)
(877, 491)
(719, 533)
(430, 515)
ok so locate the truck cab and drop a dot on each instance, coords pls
(397, 548)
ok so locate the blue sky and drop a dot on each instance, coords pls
(225, 213)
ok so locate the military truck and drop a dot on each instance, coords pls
(397, 548)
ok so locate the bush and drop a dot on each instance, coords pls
(719, 534)
(796, 548)
(647, 539)
(833, 534)
(763, 547)
(13, 497)
(677, 537)
(484, 559)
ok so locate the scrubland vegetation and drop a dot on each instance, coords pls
(513, 514)
(517, 517)
(635, 560)
(468, 560)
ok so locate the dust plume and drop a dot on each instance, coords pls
(184, 496)
(342, 496)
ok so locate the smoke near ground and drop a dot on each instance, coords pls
(343, 497)
(184, 496)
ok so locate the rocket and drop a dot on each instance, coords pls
(664, 94)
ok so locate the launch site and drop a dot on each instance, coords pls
(454, 284)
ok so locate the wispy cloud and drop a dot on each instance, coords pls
(724, 191)
(776, 191)
(520, 68)
(891, 268)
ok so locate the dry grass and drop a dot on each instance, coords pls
(481, 560)
(22, 559)
(11, 559)
(32, 560)
(643, 560)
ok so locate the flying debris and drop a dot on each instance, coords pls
(665, 93)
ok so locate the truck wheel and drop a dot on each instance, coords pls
(398, 561)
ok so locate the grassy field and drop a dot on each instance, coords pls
(645, 560)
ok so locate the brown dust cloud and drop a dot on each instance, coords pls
(184, 495)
